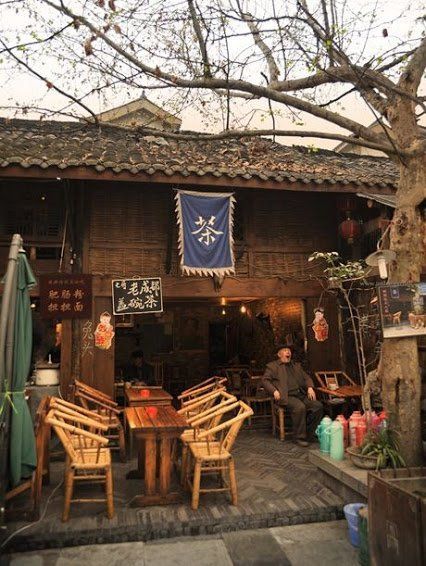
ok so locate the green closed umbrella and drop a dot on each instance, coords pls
(22, 455)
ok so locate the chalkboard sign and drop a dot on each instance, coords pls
(137, 296)
(65, 295)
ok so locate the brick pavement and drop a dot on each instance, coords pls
(277, 486)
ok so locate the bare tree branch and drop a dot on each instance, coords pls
(274, 72)
(48, 83)
(200, 38)
(216, 83)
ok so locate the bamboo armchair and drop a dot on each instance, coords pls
(88, 459)
(96, 401)
(207, 386)
(215, 456)
(204, 420)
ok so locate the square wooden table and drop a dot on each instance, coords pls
(157, 397)
(155, 434)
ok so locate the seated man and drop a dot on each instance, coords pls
(139, 370)
(293, 388)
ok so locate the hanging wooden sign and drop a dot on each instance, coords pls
(65, 295)
(137, 296)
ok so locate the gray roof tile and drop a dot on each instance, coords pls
(70, 144)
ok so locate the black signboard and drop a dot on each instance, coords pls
(137, 296)
(65, 295)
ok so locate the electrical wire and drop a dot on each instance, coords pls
(25, 527)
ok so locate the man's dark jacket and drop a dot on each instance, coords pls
(275, 377)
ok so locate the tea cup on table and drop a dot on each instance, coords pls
(333, 386)
(152, 411)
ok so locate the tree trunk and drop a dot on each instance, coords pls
(399, 364)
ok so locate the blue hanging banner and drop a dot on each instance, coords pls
(205, 223)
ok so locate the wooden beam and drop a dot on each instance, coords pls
(86, 173)
(197, 288)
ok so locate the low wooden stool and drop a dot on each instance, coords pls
(278, 416)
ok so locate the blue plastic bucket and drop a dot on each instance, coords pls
(351, 514)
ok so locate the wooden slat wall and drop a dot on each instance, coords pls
(130, 224)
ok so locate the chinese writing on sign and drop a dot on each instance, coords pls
(137, 296)
(66, 296)
(206, 231)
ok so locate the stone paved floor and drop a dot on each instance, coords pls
(277, 486)
(298, 545)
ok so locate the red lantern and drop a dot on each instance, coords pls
(349, 230)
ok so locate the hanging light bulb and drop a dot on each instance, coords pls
(380, 259)
(243, 309)
(223, 312)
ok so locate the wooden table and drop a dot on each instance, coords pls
(344, 391)
(157, 397)
(155, 433)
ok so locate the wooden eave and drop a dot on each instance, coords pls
(207, 180)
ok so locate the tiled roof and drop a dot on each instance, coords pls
(28, 143)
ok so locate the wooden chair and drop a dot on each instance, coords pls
(88, 459)
(336, 376)
(203, 388)
(255, 396)
(94, 400)
(278, 421)
(158, 366)
(204, 420)
(214, 456)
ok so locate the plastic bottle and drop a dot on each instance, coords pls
(353, 423)
(360, 432)
(345, 426)
(323, 436)
(335, 432)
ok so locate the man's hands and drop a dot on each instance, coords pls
(311, 394)
(277, 395)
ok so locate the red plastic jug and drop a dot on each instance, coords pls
(360, 432)
(345, 425)
(354, 419)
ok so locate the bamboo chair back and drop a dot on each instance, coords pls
(230, 428)
(208, 381)
(65, 427)
(72, 409)
(202, 403)
(93, 392)
(189, 395)
(209, 419)
(91, 400)
(339, 377)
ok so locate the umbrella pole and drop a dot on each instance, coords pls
(7, 317)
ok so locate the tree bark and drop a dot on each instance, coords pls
(399, 364)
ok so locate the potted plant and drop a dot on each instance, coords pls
(379, 450)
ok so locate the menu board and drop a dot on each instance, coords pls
(65, 295)
(137, 296)
(402, 309)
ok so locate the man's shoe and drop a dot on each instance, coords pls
(301, 442)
